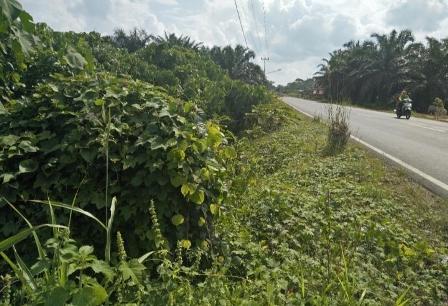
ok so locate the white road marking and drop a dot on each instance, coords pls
(429, 128)
(433, 181)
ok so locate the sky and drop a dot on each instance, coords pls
(299, 33)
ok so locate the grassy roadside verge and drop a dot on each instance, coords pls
(331, 229)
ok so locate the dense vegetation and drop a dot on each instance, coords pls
(151, 170)
(373, 72)
(298, 88)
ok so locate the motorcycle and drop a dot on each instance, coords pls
(405, 109)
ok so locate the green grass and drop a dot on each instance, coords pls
(332, 229)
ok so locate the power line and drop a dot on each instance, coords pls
(265, 28)
(241, 24)
(244, 13)
(257, 29)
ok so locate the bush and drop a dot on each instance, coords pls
(240, 99)
(265, 118)
(338, 130)
(98, 137)
(438, 108)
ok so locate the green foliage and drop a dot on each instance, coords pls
(54, 143)
(186, 72)
(172, 40)
(338, 129)
(16, 44)
(66, 273)
(239, 101)
(311, 229)
(237, 62)
(133, 41)
(299, 88)
(371, 72)
(266, 118)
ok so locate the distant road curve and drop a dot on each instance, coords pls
(420, 146)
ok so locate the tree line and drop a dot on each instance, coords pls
(374, 71)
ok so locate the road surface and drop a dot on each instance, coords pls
(420, 143)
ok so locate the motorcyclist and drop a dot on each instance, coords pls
(401, 99)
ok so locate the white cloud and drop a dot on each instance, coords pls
(56, 13)
(299, 32)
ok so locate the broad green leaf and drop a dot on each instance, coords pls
(177, 219)
(74, 59)
(90, 296)
(85, 250)
(27, 146)
(103, 267)
(186, 244)
(53, 87)
(27, 21)
(27, 166)
(9, 140)
(187, 189)
(187, 107)
(26, 42)
(178, 180)
(214, 209)
(201, 221)
(198, 197)
(10, 9)
(133, 270)
(58, 296)
(7, 177)
(214, 136)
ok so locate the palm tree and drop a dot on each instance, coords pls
(172, 40)
(388, 70)
(135, 40)
(238, 63)
(368, 72)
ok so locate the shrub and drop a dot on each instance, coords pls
(265, 118)
(240, 99)
(438, 108)
(98, 137)
(338, 130)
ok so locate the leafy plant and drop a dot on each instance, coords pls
(158, 148)
(16, 44)
(66, 273)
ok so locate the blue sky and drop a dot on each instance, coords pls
(299, 32)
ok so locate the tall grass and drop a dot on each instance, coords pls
(338, 129)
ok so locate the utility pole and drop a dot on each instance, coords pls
(264, 59)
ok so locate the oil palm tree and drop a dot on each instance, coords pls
(172, 40)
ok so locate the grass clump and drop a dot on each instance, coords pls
(338, 129)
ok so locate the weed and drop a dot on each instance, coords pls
(338, 130)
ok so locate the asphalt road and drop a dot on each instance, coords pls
(420, 143)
